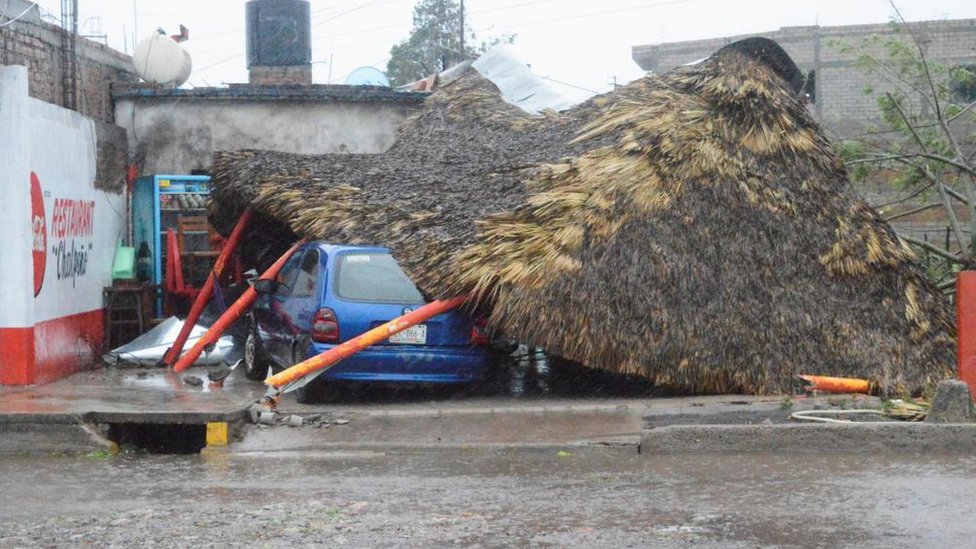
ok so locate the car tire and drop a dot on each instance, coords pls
(314, 391)
(255, 364)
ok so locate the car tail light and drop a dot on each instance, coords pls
(325, 326)
(479, 332)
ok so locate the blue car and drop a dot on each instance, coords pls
(326, 294)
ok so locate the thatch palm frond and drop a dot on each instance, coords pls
(694, 228)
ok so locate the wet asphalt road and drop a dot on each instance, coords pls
(598, 497)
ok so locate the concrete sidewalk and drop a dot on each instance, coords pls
(74, 415)
(141, 395)
(71, 415)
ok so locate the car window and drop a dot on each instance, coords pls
(374, 277)
(286, 276)
(308, 274)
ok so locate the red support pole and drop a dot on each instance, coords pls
(232, 313)
(173, 353)
(966, 327)
(380, 333)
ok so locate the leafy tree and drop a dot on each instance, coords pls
(434, 43)
(927, 145)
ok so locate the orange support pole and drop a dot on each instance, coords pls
(380, 333)
(232, 313)
(203, 297)
(837, 384)
(966, 327)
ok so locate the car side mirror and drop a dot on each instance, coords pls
(266, 286)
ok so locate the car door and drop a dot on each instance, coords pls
(304, 298)
(271, 315)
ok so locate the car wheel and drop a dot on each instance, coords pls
(255, 365)
(313, 391)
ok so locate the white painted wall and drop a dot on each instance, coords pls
(72, 226)
(80, 256)
(16, 275)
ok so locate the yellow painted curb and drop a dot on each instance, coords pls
(217, 433)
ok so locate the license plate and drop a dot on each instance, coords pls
(414, 335)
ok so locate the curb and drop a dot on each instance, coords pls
(32, 439)
(813, 439)
(34, 434)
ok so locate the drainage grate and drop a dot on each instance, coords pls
(160, 438)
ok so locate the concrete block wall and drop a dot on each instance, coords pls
(177, 131)
(841, 104)
(36, 45)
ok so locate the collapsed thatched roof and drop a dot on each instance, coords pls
(695, 228)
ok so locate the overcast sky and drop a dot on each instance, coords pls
(585, 43)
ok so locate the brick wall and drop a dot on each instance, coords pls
(841, 104)
(37, 45)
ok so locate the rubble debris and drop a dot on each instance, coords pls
(695, 228)
(952, 403)
(192, 380)
(218, 375)
(254, 412)
(340, 421)
(149, 348)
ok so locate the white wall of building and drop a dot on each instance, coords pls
(57, 247)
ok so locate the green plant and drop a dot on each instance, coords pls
(787, 403)
(925, 145)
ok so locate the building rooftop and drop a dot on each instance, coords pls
(316, 92)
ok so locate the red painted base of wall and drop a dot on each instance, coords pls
(52, 349)
(16, 356)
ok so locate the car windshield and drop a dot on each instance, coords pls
(374, 277)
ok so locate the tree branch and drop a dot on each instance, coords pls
(936, 250)
(922, 58)
(913, 211)
(917, 192)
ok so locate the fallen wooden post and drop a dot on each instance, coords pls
(173, 353)
(232, 313)
(378, 334)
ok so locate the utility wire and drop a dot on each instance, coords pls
(357, 8)
(402, 25)
(596, 13)
(551, 79)
(513, 6)
(221, 62)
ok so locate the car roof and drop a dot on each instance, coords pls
(334, 248)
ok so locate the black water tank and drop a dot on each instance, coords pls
(278, 33)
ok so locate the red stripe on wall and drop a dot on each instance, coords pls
(52, 349)
(65, 345)
(16, 356)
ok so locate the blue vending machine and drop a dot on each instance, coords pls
(158, 203)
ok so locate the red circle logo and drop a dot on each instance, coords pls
(39, 232)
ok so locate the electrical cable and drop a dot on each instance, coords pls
(357, 8)
(221, 62)
(596, 13)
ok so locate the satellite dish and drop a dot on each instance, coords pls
(161, 60)
(367, 76)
